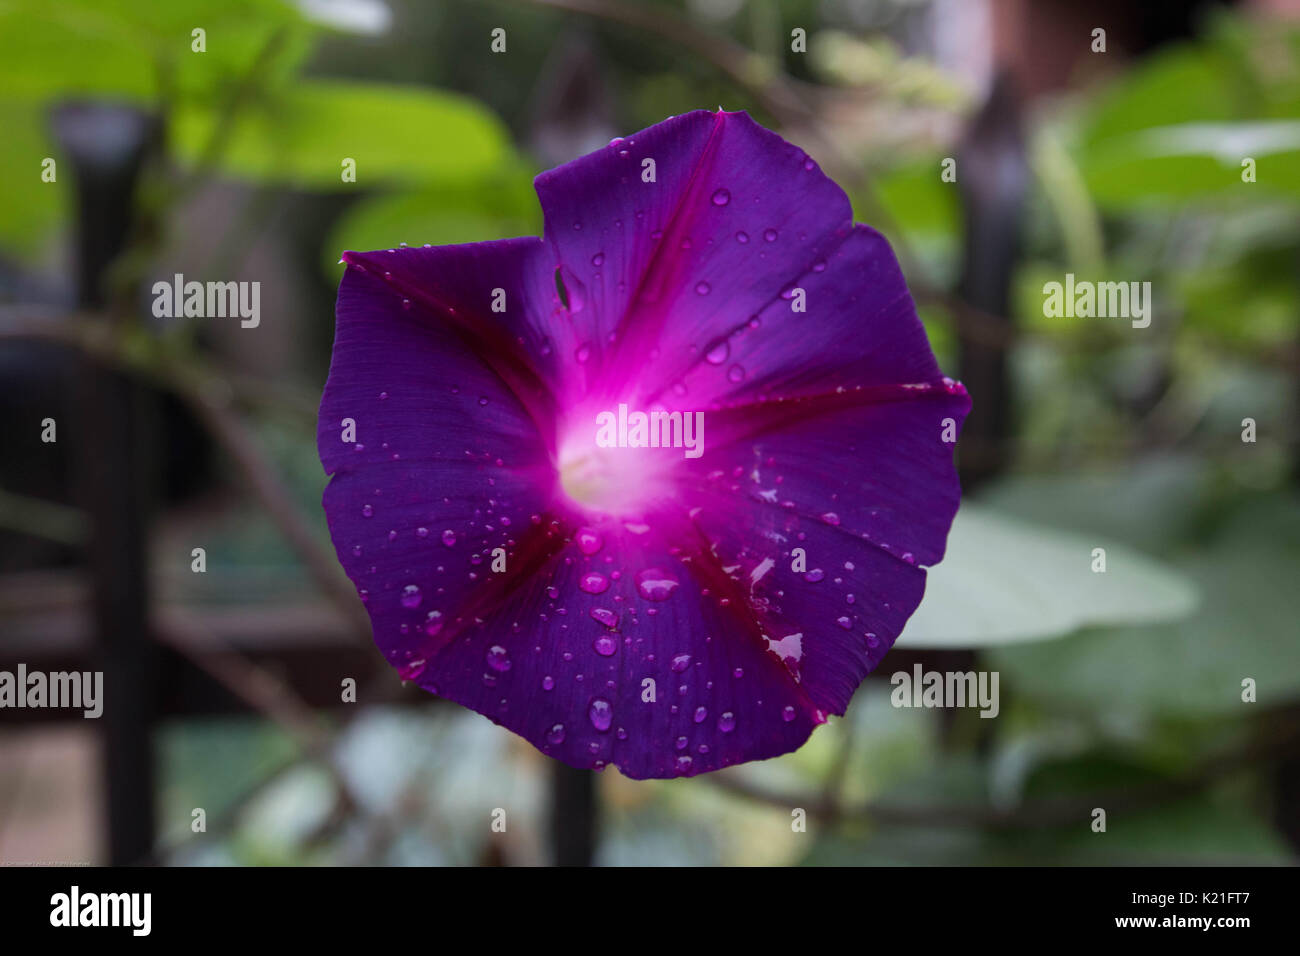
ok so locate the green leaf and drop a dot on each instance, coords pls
(1178, 126)
(1003, 581)
(31, 206)
(1246, 627)
(499, 207)
(125, 49)
(396, 134)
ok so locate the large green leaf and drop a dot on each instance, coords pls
(1178, 125)
(127, 49)
(1245, 628)
(31, 206)
(1003, 581)
(396, 134)
(498, 207)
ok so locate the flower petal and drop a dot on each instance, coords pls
(619, 657)
(733, 215)
(447, 464)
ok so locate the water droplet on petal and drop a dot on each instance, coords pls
(605, 645)
(582, 354)
(831, 518)
(593, 583)
(742, 237)
(680, 663)
(727, 722)
(601, 714)
(449, 538)
(815, 575)
(555, 735)
(788, 714)
(701, 714)
(655, 584)
(702, 288)
(718, 353)
(721, 197)
(498, 658)
(367, 511)
(589, 541)
(598, 259)
(411, 596)
(605, 616)
(770, 235)
(736, 374)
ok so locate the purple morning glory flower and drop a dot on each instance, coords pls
(658, 489)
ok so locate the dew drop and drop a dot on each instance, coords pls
(770, 235)
(655, 584)
(598, 259)
(555, 735)
(605, 645)
(582, 354)
(367, 511)
(718, 353)
(680, 663)
(449, 538)
(788, 714)
(815, 575)
(742, 237)
(498, 658)
(594, 583)
(703, 288)
(605, 616)
(721, 197)
(727, 722)
(411, 596)
(589, 541)
(701, 714)
(601, 714)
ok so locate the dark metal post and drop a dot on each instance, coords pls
(107, 146)
(993, 177)
(573, 815)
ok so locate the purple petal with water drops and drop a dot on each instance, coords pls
(436, 459)
(666, 614)
(733, 216)
(624, 657)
